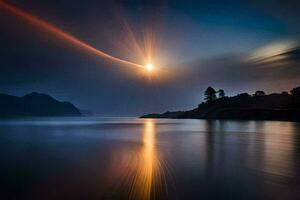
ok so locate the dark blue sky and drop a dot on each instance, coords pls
(226, 44)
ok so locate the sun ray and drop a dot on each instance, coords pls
(62, 34)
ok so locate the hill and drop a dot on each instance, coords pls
(283, 106)
(35, 104)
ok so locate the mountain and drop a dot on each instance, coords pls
(35, 104)
(282, 106)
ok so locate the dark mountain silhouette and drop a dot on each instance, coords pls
(275, 106)
(35, 104)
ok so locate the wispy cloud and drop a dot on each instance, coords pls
(274, 52)
(274, 66)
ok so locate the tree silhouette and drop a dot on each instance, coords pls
(259, 93)
(210, 94)
(221, 93)
(295, 91)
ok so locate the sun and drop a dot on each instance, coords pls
(149, 67)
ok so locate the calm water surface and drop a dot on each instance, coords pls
(143, 159)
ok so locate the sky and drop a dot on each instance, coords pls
(238, 46)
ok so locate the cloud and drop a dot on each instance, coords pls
(274, 52)
(273, 62)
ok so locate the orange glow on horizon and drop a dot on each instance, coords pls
(60, 33)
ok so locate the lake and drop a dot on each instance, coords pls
(143, 159)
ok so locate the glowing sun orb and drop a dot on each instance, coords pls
(149, 67)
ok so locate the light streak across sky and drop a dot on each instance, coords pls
(60, 33)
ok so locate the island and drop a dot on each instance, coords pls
(284, 106)
(35, 104)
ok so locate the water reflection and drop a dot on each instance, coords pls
(145, 174)
(148, 159)
(268, 147)
(144, 177)
(271, 148)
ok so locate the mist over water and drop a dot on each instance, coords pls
(128, 158)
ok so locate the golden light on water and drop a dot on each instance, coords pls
(151, 176)
(144, 180)
(140, 172)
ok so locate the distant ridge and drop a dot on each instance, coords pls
(35, 104)
(284, 106)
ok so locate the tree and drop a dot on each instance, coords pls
(259, 93)
(295, 91)
(221, 93)
(210, 94)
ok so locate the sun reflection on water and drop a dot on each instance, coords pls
(142, 185)
(141, 170)
(149, 181)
